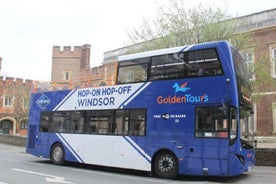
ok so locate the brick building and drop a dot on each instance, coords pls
(261, 54)
(14, 105)
(71, 69)
(262, 49)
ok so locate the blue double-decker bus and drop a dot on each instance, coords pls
(176, 111)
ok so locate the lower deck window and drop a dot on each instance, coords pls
(211, 122)
(104, 122)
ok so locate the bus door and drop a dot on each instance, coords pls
(32, 136)
(42, 134)
(37, 140)
(209, 152)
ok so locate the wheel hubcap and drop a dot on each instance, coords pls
(57, 154)
(166, 164)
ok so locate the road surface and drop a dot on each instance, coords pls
(19, 167)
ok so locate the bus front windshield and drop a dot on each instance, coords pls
(245, 98)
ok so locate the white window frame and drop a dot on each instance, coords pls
(8, 101)
(272, 51)
(255, 118)
(24, 124)
(249, 63)
(26, 103)
(274, 117)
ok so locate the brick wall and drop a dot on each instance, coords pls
(264, 115)
(262, 39)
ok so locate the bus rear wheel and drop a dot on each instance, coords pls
(166, 165)
(57, 154)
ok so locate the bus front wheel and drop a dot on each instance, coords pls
(57, 154)
(166, 165)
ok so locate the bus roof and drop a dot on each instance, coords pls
(151, 53)
(165, 51)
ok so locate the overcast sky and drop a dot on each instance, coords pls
(30, 28)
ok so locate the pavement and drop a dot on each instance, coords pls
(266, 145)
(12, 148)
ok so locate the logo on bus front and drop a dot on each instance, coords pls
(43, 101)
(181, 96)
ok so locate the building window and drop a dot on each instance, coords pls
(274, 117)
(273, 60)
(249, 59)
(8, 101)
(24, 124)
(255, 118)
(26, 103)
(67, 75)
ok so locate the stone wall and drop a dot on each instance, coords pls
(266, 157)
(14, 140)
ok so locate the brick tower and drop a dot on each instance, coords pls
(70, 62)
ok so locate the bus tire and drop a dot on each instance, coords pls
(166, 165)
(57, 154)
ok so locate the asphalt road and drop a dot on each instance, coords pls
(17, 167)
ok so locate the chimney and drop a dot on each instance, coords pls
(85, 58)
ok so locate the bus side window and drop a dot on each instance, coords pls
(203, 63)
(44, 122)
(102, 127)
(137, 122)
(91, 123)
(133, 71)
(92, 127)
(168, 66)
(121, 122)
(77, 120)
(104, 122)
(211, 122)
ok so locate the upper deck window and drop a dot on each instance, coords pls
(133, 71)
(242, 71)
(243, 79)
(203, 63)
(171, 66)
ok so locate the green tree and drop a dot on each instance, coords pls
(177, 25)
(262, 71)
